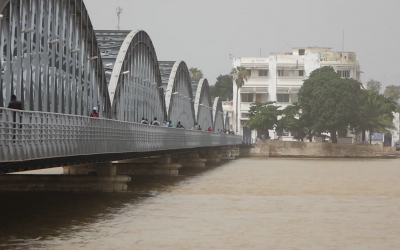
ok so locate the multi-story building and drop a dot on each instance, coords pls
(280, 76)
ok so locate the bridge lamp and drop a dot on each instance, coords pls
(108, 72)
(108, 64)
(175, 93)
(27, 30)
(161, 87)
(53, 41)
(125, 72)
(92, 58)
(75, 51)
(1, 16)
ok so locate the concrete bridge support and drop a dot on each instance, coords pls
(84, 178)
(189, 160)
(148, 166)
(212, 156)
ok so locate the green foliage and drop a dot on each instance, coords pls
(374, 86)
(240, 74)
(263, 116)
(222, 88)
(377, 113)
(329, 101)
(392, 92)
(293, 120)
(195, 73)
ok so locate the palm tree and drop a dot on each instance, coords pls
(195, 73)
(376, 114)
(240, 74)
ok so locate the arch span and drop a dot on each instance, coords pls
(135, 86)
(218, 114)
(202, 105)
(179, 96)
(50, 58)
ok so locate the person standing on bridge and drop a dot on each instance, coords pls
(15, 104)
(94, 113)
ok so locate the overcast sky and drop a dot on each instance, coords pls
(204, 32)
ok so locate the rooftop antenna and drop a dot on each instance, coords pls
(119, 11)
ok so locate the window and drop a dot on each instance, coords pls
(282, 97)
(263, 72)
(302, 52)
(282, 72)
(344, 73)
(262, 97)
(249, 71)
(247, 97)
(298, 73)
(245, 115)
(295, 98)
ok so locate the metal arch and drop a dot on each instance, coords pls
(218, 114)
(135, 86)
(227, 121)
(50, 59)
(179, 96)
(202, 105)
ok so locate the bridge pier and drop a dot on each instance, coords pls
(189, 160)
(148, 166)
(212, 156)
(74, 179)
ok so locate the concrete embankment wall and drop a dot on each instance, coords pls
(275, 148)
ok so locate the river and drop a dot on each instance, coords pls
(248, 203)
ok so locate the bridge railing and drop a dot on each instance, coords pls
(29, 135)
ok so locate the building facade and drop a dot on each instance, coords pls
(279, 78)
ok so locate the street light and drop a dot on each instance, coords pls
(92, 58)
(75, 51)
(175, 93)
(125, 72)
(1, 16)
(30, 30)
(53, 41)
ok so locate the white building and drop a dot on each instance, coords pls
(280, 76)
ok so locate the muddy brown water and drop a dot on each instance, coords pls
(248, 203)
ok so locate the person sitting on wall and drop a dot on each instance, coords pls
(199, 128)
(170, 124)
(209, 129)
(155, 122)
(144, 121)
(179, 125)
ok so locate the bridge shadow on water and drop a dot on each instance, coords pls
(35, 216)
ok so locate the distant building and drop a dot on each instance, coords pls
(280, 76)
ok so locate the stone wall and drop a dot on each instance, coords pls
(276, 148)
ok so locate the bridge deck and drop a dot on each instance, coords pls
(29, 135)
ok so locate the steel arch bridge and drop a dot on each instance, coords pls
(60, 68)
(202, 105)
(50, 58)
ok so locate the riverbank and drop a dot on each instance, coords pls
(275, 148)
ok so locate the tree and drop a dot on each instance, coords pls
(329, 101)
(240, 74)
(222, 88)
(195, 73)
(392, 92)
(297, 123)
(374, 86)
(263, 116)
(377, 113)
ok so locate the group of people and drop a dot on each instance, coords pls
(15, 104)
